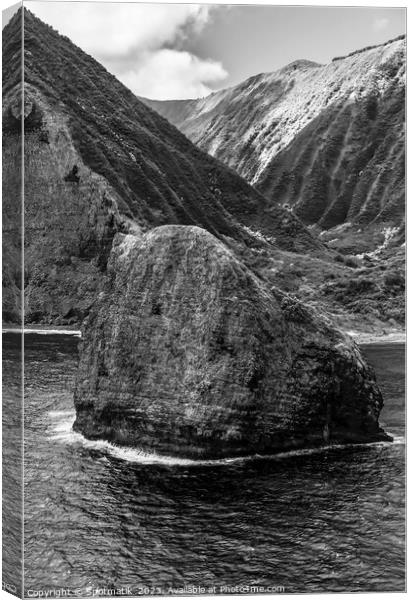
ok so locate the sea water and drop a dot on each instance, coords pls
(101, 518)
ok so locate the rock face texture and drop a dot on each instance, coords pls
(328, 143)
(69, 225)
(326, 140)
(187, 353)
(11, 200)
(98, 161)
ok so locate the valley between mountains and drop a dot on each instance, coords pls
(300, 173)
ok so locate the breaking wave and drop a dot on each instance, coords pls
(62, 432)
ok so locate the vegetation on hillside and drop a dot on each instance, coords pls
(160, 176)
(325, 141)
(346, 165)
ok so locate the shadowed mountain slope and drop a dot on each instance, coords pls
(327, 141)
(98, 161)
(158, 173)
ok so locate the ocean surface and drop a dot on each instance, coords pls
(102, 517)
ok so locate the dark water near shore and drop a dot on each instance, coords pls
(96, 516)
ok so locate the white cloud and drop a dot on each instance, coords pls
(114, 29)
(140, 43)
(380, 24)
(166, 74)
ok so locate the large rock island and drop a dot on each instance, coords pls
(187, 352)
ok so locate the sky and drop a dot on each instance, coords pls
(174, 51)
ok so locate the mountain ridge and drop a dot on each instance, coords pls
(310, 137)
(99, 162)
(165, 134)
(108, 164)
